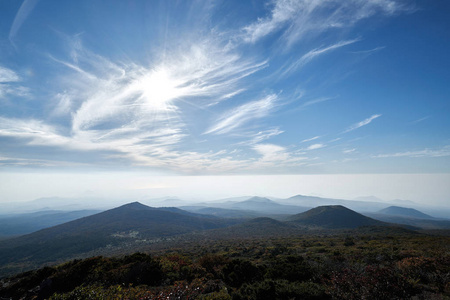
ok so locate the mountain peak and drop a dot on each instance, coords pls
(333, 216)
(134, 205)
(259, 199)
(404, 212)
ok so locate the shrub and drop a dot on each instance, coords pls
(281, 289)
(238, 272)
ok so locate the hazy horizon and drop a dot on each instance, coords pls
(422, 189)
(216, 99)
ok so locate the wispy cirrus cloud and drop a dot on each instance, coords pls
(362, 123)
(348, 151)
(117, 91)
(296, 19)
(275, 157)
(370, 51)
(10, 84)
(242, 114)
(315, 146)
(445, 151)
(263, 135)
(311, 139)
(8, 75)
(132, 111)
(419, 120)
(313, 102)
(24, 11)
(308, 57)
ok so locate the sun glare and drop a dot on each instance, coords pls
(158, 89)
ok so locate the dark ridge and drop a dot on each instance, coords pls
(112, 228)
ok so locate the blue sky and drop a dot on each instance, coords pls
(225, 87)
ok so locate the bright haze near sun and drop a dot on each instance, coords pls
(225, 98)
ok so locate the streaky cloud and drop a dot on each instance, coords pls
(419, 120)
(312, 102)
(348, 151)
(308, 57)
(276, 157)
(22, 14)
(362, 123)
(264, 135)
(10, 84)
(242, 114)
(315, 146)
(445, 151)
(370, 51)
(297, 19)
(311, 139)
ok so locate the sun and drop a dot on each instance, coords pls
(158, 89)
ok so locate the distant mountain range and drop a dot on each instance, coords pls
(259, 206)
(411, 217)
(135, 226)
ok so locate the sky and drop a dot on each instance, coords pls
(95, 94)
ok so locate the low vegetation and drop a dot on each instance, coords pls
(349, 265)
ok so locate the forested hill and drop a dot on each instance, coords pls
(128, 223)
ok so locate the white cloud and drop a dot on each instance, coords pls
(348, 151)
(25, 9)
(362, 123)
(296, 19)
(334, 140)
(243, 114)
(370, 51)
(420, 120)
(276, 158)
(283, 12)
(420, 153)
(264, 135)
(272, 153)
(8, 75)
(306, 58)
(311, 139)
(312, 102)
(131, 111)
(315, 146)
(63, 104)
(112, 92)
(10, 84)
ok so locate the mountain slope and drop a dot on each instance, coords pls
(404, 212)
(19, 224)
(222, 212)
(415, 222)
(258, 227)
(126, 224)
(333, 216)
